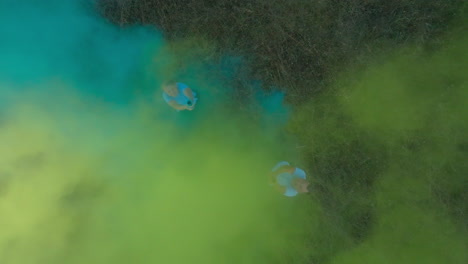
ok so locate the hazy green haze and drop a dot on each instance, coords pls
(369, 97)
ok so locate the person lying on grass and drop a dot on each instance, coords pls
(179, 96)
(289, 180)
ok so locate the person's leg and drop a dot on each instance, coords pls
(279, 165)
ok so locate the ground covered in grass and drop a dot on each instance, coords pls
(298, 45)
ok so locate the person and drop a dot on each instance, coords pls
(289, 180)
(179, 96)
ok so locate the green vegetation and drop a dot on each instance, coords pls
(299, 45)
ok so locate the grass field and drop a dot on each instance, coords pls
(298, 45)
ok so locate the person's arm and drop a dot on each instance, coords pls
(188, 92)
(176, 106)
(272, 182)
(285, 168)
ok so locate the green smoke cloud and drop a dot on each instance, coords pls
(95, 168)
